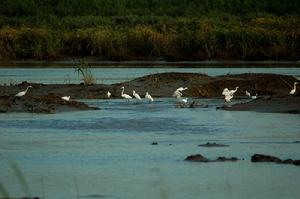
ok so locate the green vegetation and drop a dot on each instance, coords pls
(84, 70)
(150, 29)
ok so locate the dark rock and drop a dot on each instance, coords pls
(208, 144)
(197, 158)
(154, 143)
(288, 161)
(223, 159)
(265, 158)
(296, 162)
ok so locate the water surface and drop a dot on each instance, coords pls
(108, 153)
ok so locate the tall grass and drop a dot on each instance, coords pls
(84, 70)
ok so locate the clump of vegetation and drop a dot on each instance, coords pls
(85, 71)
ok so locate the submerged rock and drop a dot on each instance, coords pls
(208, 144)
(200, 158)
(268, 158)
(196, 158)
(223, 159)
(265, 158)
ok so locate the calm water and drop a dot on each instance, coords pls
(108, 153)
(109, 75)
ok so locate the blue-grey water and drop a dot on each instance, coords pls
(116, 75)
(108, 153)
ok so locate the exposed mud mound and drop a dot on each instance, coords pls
(288, 104)
(50, 103)
(158, 85)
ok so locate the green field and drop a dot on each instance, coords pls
(171, 30)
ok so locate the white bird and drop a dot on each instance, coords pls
(149, 97)
(233, 91)
(177, 94)
(181, 89)
(225, 91)
(248, 94)
(136, 95)
(125, 96)
(185, 100)
(66, 98)
(22, 93)
(228, 98)
(108, 94)
(293, 91)
(254, 96)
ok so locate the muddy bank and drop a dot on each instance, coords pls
(164, 84)
(51, 103)
(287, 104)
(158, 85)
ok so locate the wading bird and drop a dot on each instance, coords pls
(149, 97)
(22, 93)
(233, 91)
(136, 95)
(293, 91)
(177, 93)
(254, 96)
(228, 98)
(125, 96)
(185, 100)
(248, 94)
(66, 98)
(108, 94)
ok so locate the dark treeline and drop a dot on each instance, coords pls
(147, 29)
(64, 8)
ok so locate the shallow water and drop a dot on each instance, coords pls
(108, 153)
(116, 75)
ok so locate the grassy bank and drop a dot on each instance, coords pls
(169, 30)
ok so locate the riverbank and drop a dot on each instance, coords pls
(154, 63)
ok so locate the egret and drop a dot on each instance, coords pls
(181, 89)
(149, 97)
(225, 91)
(254, 96)
(108, 94)
(177, 94)
(228, 98)
(233, 91)
(185, 100)
(22, 93)
(293, 91)
(248, 94)
(136, 95)
(66, 98)
(125, 96)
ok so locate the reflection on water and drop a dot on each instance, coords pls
(108, 153)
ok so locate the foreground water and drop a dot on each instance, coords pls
(108, 153)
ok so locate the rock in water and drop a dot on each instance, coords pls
(196, 158)
(265, 158)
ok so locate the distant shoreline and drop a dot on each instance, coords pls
(147, 64)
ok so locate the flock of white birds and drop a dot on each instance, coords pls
(228, 94)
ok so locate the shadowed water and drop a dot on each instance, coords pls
(108, 153)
